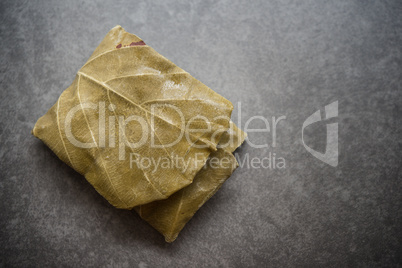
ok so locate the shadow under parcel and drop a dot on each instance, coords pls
(144, 95)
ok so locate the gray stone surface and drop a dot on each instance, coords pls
(277, 58)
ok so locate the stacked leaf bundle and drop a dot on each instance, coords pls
(154, 110)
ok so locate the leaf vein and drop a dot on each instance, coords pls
(96, 144)
(145, 175)
(146, 74)
(177, 213)
(61, 136)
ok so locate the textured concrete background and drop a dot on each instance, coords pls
(277, 58)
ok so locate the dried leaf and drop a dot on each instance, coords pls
(124, 78)
(169, 216)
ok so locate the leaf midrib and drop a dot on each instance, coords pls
(105, 86)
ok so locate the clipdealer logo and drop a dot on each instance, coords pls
(331, 152)
(272, 160)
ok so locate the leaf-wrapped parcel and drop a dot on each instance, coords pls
(128, 103)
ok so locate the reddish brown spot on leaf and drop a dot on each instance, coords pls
(118, 46)
(140, 43)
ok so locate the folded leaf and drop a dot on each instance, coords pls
(169, 216)
(127, 91)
